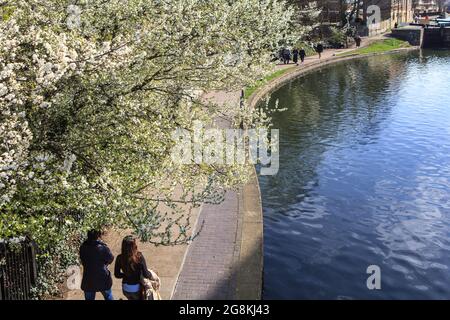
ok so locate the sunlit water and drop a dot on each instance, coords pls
(364, 180)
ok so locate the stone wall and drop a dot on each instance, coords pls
(436, 38)
(412, 35)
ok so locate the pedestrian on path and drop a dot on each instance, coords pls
(286, 56)
(131, 267)
(319, 49)
(302, 54)
(358, 41)
(295, 56)
(281, 55)
(95, 257)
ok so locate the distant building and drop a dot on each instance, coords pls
(426, 6)
(402, 11)
(391, 12)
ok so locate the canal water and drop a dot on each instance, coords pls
(364, 180)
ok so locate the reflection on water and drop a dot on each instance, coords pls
(364, 180)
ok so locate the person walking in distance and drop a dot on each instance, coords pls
(295, 56)
(319, 50)
(302, 54)
(95, 257)
(358, 41)
(286, 56)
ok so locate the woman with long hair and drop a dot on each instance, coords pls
(130, 266)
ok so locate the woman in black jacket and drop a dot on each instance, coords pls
(295, 54)
(302, 54)
(95, 257)
(319, 50)
(130, 266)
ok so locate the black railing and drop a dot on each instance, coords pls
(17, 269)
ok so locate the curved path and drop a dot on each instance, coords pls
(226, 260)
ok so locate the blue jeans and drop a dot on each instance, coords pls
(132, 295)
(90, 295)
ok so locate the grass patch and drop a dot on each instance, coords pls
(379, 47)
(249, 91)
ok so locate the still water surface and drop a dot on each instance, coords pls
(364, 180)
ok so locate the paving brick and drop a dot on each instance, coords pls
(207, 270)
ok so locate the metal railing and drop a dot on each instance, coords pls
(17, 269)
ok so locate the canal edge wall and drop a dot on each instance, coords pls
(249, 251)
(430, 37)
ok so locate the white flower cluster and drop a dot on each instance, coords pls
(88, 106)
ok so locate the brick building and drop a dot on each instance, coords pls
(390, 11)
(426, 6)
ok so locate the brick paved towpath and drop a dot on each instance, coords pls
(207, 271)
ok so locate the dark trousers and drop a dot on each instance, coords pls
(132, 295)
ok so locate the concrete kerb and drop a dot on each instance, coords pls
(249, 244)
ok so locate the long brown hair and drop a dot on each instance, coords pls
(130, 254)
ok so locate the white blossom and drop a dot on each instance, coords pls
(111, 92)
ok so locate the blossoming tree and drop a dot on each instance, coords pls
(90, 93)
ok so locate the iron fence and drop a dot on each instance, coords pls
(17, 269)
